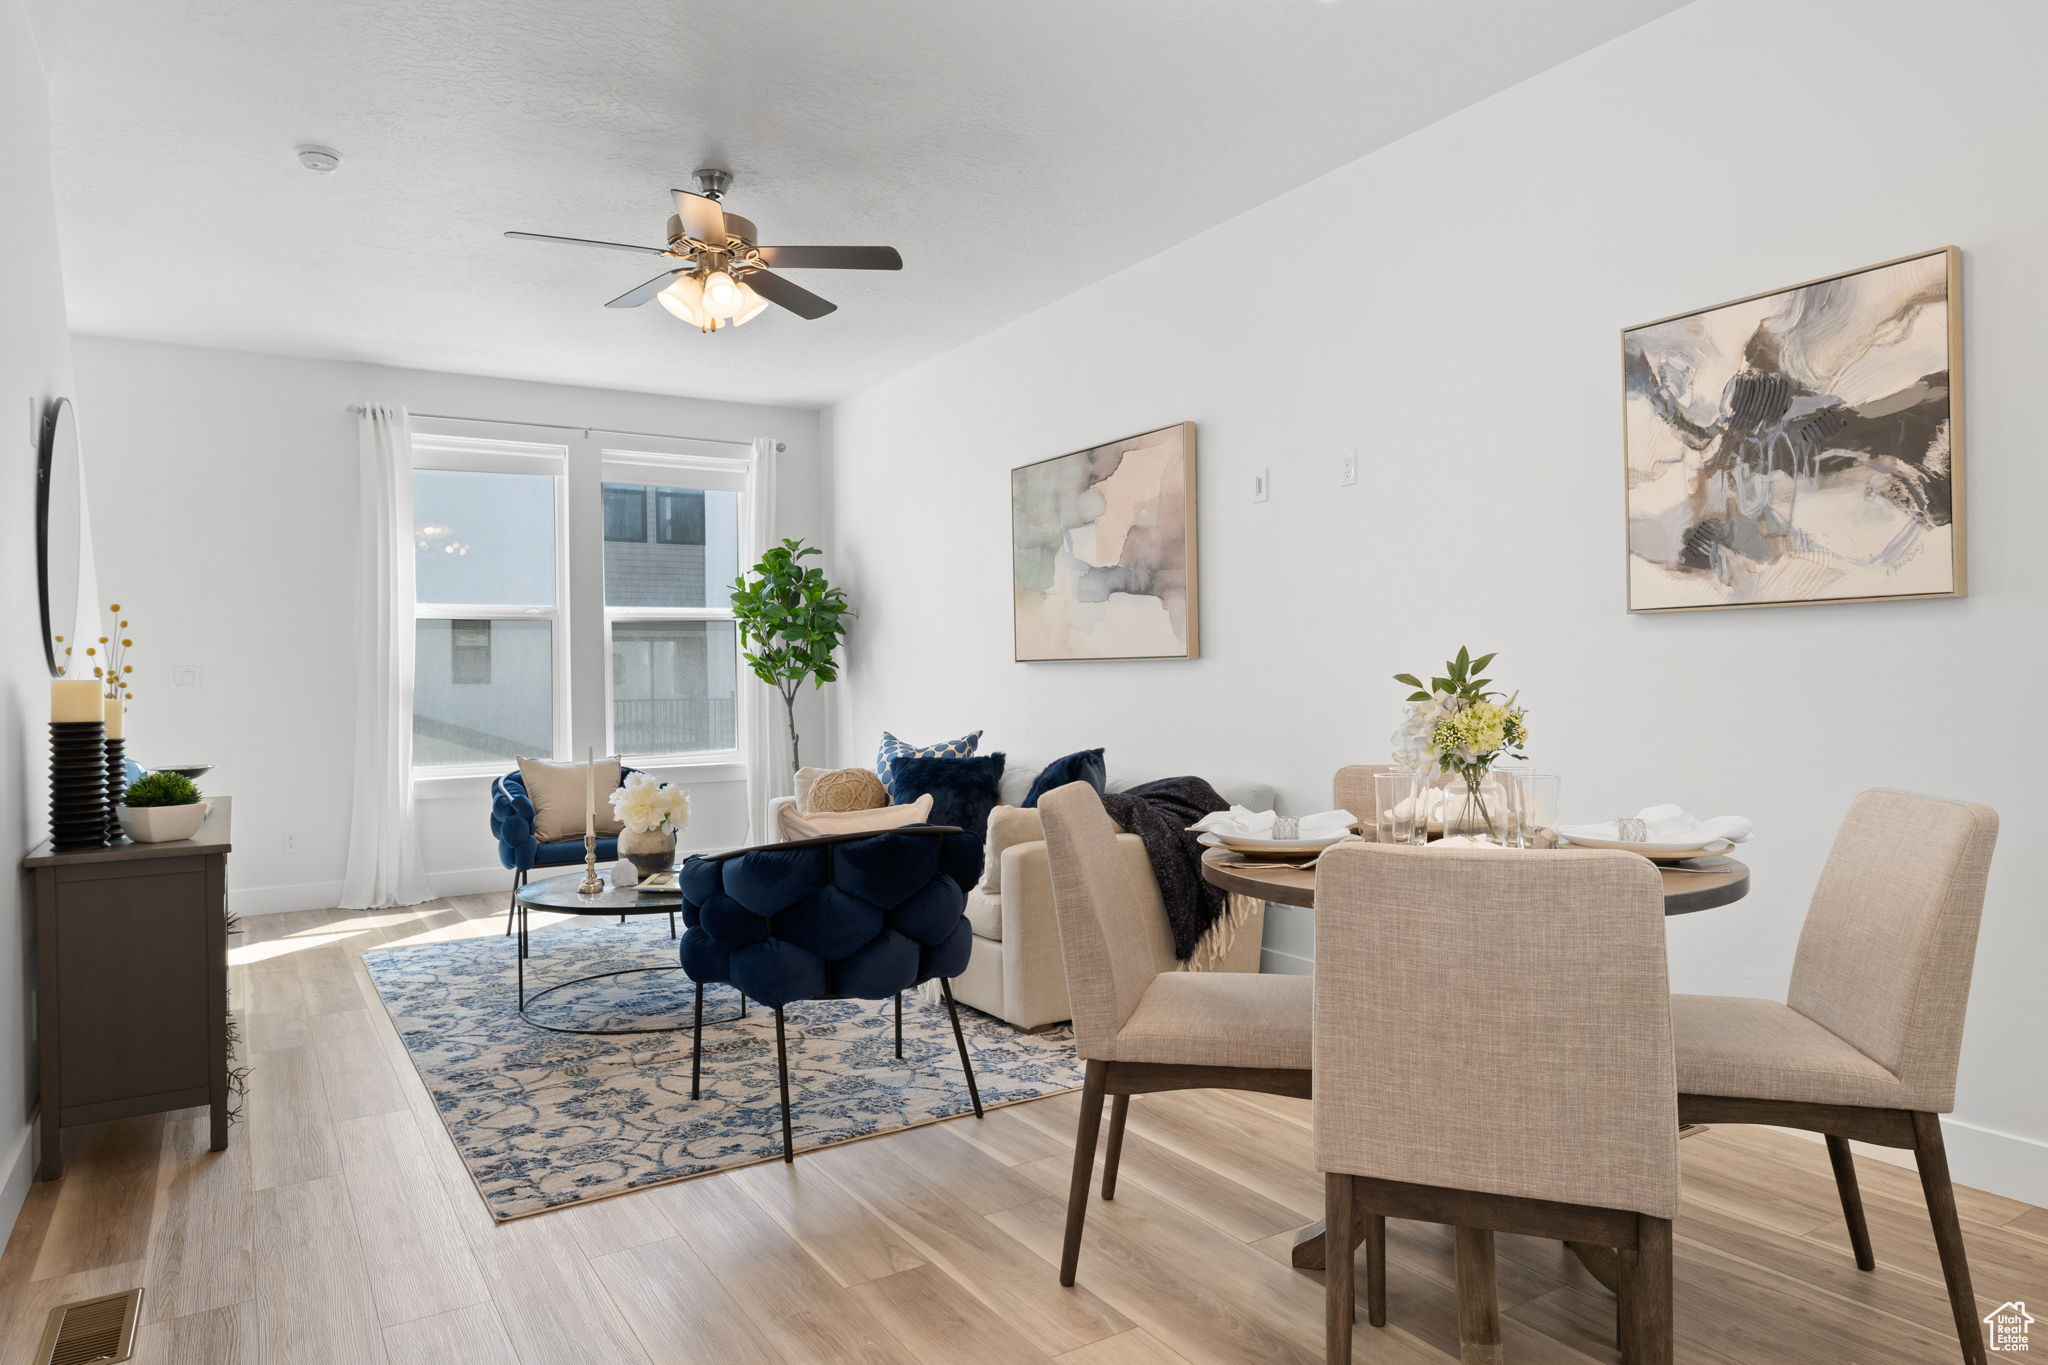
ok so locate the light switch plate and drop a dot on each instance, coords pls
(1347, 468)
(184, 678)
(1262, 482)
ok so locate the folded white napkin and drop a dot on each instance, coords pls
(1258, 824)
(1669, 825)
(1432, 802)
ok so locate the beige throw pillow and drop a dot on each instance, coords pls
(838, 789)
(795, 826)
(557, 791)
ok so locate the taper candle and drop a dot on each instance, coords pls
(75, 701)
(589, 792)
(113, 717)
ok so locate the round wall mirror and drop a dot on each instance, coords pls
(60, 528)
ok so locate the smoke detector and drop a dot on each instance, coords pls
(321, 159)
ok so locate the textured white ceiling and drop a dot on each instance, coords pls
(1013, 151)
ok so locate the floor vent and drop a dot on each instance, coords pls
(1686, 1130)
(92, 1331)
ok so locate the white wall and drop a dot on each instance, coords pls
(35, 366)
(224, 500)
(1450, 307)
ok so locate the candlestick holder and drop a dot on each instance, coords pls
(78, 785)
(117, 784)
(591, 885)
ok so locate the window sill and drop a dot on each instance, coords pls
(428, 785)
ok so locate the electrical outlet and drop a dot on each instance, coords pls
(1261, 484)
(291, 841)
(1347, 468)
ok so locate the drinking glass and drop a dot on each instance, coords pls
(1401, 806)
(1535, 800)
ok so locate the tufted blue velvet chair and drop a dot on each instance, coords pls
(849, 916)
(512, 823)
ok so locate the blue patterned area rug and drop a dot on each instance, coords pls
(547, 1119)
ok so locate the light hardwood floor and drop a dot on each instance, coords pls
(340, 1226)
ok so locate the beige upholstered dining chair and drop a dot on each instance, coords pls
(1865, 1045)
(1140, 1022)
(1493, 1051)
(1352, 789)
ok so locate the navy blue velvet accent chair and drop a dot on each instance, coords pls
(512, 823)
(849, 916)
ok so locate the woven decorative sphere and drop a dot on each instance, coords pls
(848, 789)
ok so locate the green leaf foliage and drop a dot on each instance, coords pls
(790, 621)
(161, 789)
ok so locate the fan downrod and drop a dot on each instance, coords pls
(712, 183)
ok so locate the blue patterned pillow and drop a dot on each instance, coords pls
(1085, 765)
(894, 749)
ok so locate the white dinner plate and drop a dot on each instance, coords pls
(1238, 843)
(1656, 852)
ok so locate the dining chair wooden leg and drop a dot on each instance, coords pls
(1478, 1298)
(1646, 1327)
(782, 1078)
(1119, 1108)
(1948, 1233)
(960, 1041)
(1340, 1288)
(1090, 1128)
(1852, 1201)
(1376, 1269)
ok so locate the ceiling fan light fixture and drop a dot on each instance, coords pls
(684, 297)
(751, 308)
(722, 296)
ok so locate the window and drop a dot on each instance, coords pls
(625, 513)
(487, 577)
(647, 636)
(668, 609)
(469, 651)
(679, 516)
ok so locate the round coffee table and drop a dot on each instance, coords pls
(560, 894)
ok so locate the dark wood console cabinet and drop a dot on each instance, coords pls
(131, 982)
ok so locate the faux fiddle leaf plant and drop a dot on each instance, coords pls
(790, 619)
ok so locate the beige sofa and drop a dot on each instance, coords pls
(1016, 972)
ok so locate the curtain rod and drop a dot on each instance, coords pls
(358, 409)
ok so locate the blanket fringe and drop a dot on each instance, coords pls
(1221, 936)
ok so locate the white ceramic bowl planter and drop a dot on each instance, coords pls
(161, 824)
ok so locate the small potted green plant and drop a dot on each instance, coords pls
(160, 807)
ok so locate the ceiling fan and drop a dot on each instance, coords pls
(721, 278)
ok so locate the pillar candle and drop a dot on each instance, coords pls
(114, 714)
(75, 701)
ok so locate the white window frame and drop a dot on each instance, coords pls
(577, 460)
(434, 449)
(677, 464)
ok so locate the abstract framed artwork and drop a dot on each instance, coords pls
(1800, 446)
(1102, 551)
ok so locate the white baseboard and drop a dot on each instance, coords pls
(17, 1174)
(1285, 964)
(1982, 1158)
(278, 900)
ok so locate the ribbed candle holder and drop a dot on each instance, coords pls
(78, 785)
(117, 783)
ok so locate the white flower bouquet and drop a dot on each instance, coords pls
(644, 805)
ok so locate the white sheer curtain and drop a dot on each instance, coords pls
(768, 775)
(384, 865)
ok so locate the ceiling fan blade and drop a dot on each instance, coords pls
(703, 219)
(832, 257)
(788, 294)
(640, 294)
(585, 241)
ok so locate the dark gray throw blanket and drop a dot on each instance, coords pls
(1159, 813)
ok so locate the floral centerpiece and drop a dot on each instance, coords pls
(1455, 725)
(650, 814)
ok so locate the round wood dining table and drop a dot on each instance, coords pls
(1692, 885)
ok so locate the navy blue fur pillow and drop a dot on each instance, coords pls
(963, 792)
(1084, 765)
